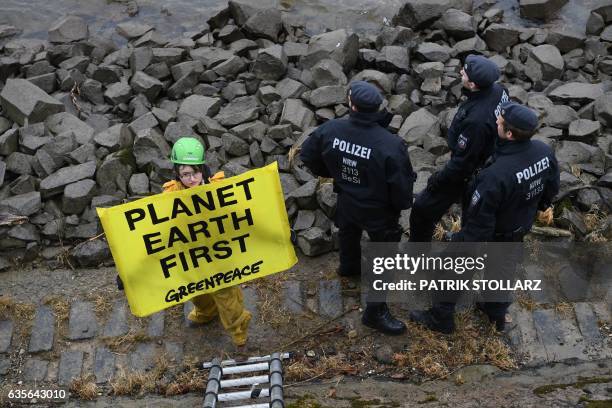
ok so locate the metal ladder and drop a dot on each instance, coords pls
(272, 364)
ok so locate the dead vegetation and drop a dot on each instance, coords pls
(437, 356)
(138, 383)
(270, 300)
(60, 306)
(122, 344)
(84, 388)
(525, 301)
(21, 313)
(7, 307)
(326, 367)
(102, 304)
(190, 380)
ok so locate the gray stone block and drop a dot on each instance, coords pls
(104, 365)
(42, 330)
(6, 334)
(117, 324)
(83, 323)
(70, 366)
(23, 101)
(35, 370)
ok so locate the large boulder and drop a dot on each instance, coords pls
(297, 114)
(91, 253)
(501, 36)
(149, 145)
(68, 29)
(24, 204)
(265, 24)
(199, 107)
(271, 63)
(338, 45)
(55, 183)
(565, 39)
(434, 52)
(77, 196)
(63, 122)
(146, 85)
(603, 109)
(328, 96)
(239, 110)
(577, 91)
(419, 125)
(328, 72)
(23, 101)
(540, 9)
(379, 78)
(544, 63)
(457, 24)
(419, 14)
(393, 58)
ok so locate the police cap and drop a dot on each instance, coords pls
(365, 96)
(519, 116)
(480, 70)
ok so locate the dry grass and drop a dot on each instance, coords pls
(438, 234)
(564, 309)
(575, 169)
(122, 344)
(455, 224)
(60, 306)
(138, 383)
(270, 292)
(191, 380)
(326, 367)
(293, 152)
(7, 307)
(525, 301)
(102, 304)
(437, 356)
(84, 388)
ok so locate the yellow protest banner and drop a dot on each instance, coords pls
(171, 247)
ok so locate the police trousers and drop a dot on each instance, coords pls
(428, 209)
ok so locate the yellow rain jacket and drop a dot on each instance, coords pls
(227, 303)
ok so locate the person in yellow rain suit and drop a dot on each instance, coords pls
(191, 171)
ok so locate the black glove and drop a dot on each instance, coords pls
(384, 118)
(119, 283)
(433, 183)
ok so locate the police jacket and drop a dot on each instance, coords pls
(472, 134)
(520, 179)
(370, 165)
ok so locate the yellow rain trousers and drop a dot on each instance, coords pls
(227, 303)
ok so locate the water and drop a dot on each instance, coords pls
(173, 17)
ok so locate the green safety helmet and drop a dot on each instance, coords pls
(187, 150)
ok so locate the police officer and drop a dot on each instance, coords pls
(471, 139)
(373, 178)
(520, 179)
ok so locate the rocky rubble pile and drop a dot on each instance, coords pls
(86, 123)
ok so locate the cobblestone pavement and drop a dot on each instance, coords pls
(80, 327)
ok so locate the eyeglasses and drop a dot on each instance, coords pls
(187, 176)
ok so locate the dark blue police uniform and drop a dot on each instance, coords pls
(501, 203)
(471, 139)
(372, 174)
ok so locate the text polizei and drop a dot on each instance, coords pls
(532, 170)
(351, 148)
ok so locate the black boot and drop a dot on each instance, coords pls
(378, 317)
(495, 313)
(429, 319)
(348, 273)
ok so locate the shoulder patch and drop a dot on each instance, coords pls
(462, 142)
(475, 198)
